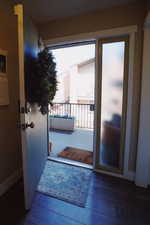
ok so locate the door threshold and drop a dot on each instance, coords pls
(70, 162)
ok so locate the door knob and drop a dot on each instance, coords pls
(26, 125)
(31, 125)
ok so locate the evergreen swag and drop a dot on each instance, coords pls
(42, 82)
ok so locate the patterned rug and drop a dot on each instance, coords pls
(65, 182)
(77, 154)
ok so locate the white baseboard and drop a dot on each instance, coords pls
(10, 181)
(130, 176)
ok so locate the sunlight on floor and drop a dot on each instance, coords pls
(80, 138)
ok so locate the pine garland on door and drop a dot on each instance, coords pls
(42, 82)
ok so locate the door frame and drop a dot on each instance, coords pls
(111, 33)
(77, 44)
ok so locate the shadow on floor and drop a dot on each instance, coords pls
(110, 201)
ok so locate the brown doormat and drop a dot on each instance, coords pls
(77, 155)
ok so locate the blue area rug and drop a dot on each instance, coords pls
(65, 182)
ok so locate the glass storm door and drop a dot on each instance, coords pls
(111, 103)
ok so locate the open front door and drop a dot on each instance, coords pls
(33, 123)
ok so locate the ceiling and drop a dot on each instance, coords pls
(46, 10)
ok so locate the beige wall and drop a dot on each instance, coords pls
(10, 155)
(98, 20)
(132, 14)
(143, 157)
(148, 5)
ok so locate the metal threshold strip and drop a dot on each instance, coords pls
(70, 162)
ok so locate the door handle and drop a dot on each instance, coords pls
(31, 125)
(26, 125)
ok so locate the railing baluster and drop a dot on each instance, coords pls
(89, 113)
(90, 116)
(83, 115)
(80, 117)
(85, 121)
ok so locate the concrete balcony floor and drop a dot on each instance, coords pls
(80, 138)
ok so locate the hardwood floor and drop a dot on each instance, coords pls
(111, 201)
(12, 206)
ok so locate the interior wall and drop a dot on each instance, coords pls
(101, 19)
(148, 5)
(131, 14)
(143, 157)
(10, 154)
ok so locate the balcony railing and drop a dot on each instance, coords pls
(83, 113)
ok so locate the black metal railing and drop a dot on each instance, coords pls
(83, 113)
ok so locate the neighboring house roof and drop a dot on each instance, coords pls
(83, 63)
(86, 62)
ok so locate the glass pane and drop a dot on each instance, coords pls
(111, 103)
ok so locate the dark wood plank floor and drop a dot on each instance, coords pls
(111, 201)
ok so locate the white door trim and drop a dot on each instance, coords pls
(128, 174)
(92, 35)
(131, 31)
